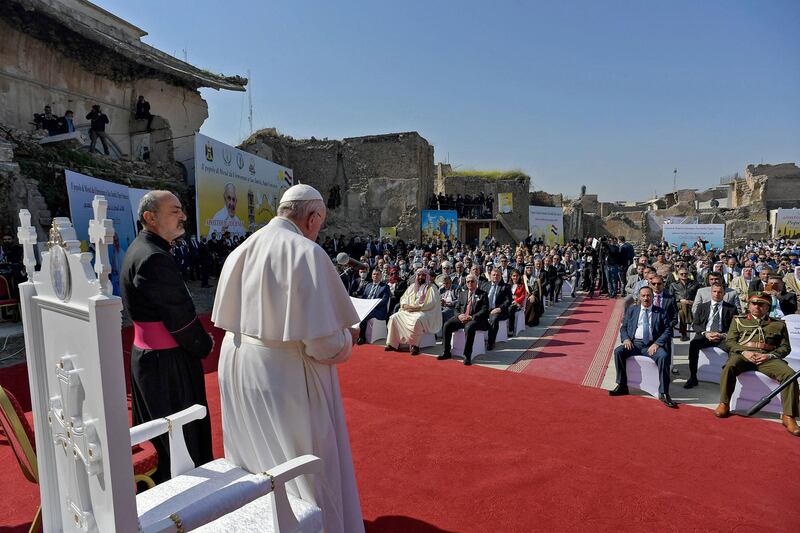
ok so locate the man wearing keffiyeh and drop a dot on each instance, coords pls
(420, 312)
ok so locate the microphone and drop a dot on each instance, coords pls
(342, 259)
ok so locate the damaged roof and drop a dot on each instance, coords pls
(79, 21)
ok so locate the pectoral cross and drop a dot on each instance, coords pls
(26, 234)
(101, 234)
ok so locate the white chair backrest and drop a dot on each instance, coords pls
(72, 328)
(793, 325)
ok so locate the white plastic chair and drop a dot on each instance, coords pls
(643, 374)
(519, 322)
(710, 362)
(502, 331)
(376, 330)
(459, 340)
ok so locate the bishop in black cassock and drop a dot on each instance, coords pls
(170, 342)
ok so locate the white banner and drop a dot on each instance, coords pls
(237, 192)
(678, 234)
(547, 224)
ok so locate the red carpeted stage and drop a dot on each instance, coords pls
(442, 447)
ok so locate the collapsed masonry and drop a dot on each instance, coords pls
(743, 204)
(379, 180)
(32, 177)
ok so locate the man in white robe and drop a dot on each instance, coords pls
(288, 316)
(420, 312)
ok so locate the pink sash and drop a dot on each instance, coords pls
(152, 336)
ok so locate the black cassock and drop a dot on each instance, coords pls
(166, 365)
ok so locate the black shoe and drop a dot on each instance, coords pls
(415, 350)
(444, 356)
(490, 347)
(684, 337)
(467, 362)
(360, 341)
(692, 382)
(667, 401)
(619, 390)
(388, 348)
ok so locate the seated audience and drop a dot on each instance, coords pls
(420, 313)
(783, 302)
(499, 296)
(375, 289)
(711, 324)
(645, 330)
(704, 293)
(519, 297)
(684, 290)
(472, 314)
(758, 343)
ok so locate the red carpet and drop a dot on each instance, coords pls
(442, 447)
(569, 348)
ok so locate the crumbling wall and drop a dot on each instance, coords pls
(32, 177)
(384, 180)
(37, 73)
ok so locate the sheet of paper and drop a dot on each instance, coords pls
(364, 306)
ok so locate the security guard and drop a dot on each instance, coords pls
(757, 342)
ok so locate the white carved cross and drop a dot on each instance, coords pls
(26, 234)
(101, 234)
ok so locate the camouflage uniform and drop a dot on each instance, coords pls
(765, 336)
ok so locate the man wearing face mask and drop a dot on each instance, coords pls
(357, 289)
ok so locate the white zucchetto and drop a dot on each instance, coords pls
(301, 192)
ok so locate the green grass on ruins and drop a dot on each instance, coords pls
(491, 174)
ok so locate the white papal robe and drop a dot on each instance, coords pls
(287, 315)
(407, 327)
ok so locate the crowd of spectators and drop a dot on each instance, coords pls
(467, 206)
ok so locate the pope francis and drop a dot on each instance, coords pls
(287, 317)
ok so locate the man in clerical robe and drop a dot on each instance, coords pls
(288, 317)
(420, 312)
(169, 340)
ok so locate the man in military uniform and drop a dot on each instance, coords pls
(757, 342)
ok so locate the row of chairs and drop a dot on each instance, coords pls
(377, 330)
(750, 386)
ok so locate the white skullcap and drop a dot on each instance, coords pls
(301, 192)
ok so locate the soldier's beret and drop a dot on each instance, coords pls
(759, 297)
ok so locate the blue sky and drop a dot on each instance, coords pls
(608, 94)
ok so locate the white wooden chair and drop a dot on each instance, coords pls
(642, 374)
(72, 327)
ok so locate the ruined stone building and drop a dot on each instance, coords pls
(742, 203)
(71, 54)
(380, 180)
(506, 227)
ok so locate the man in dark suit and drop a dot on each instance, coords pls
(645, 330)
(375, 289)
(498, 294)
(781, 298)
(711, 324)
(663, 299)
(472, 314)
(757, 285)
